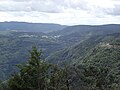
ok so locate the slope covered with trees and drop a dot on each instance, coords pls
(71, 54)
(37, 74)
(89, 56)
(78, 52)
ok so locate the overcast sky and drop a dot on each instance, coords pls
(66, 12)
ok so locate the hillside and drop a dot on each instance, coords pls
(106, 53)
(14, 47)
(96, 52)
(30, 27)
(77, 53)
(91, 29)
(68, 47)
(106, 56)
(78, 33)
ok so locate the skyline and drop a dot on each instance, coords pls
(66, 12)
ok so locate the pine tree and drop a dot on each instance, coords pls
(32, 75)
(38, 75)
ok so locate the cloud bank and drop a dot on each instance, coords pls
(69, 12)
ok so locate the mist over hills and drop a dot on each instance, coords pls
(88, 28)
(30, 27)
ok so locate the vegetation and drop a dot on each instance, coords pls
(15, 45)
(37, 74)
(87, 58)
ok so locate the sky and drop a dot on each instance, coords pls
(65, 12)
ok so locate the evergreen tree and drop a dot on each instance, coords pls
(38, 75)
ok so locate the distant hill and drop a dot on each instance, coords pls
(83, 29)
(78, 33)
(30, 27)
(77, 38)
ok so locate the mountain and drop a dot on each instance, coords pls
(30, 27)
(105, 53)
(72, 54)
(78, 52)
(74, 34)
(80, 39)
(98, 29)
(70, 45)
(14, 47)
(96, 52)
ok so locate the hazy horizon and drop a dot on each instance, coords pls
(61, 24)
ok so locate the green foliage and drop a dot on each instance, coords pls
(100, 70)
(14, 47)
(4, 85)
(72, 54)
(90, 77)
(101, 61)
(98, 78)
(38, 75)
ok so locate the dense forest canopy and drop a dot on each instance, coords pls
(37, 74)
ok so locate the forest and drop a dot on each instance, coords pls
(37, 74)
(81, 57)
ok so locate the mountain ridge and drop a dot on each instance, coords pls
(30, 27)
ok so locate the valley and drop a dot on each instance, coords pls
(73, 46)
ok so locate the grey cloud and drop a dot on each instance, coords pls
(31, 5)
(115, 11)
(80, 5)
(13, 6)
(49, 6)
(56, 6)
(21, 0)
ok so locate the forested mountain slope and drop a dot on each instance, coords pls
(72, 45)
(78, 33)
(98, 53)
(14, 47)
(78, 52)
(91, 29)
(106, 53)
